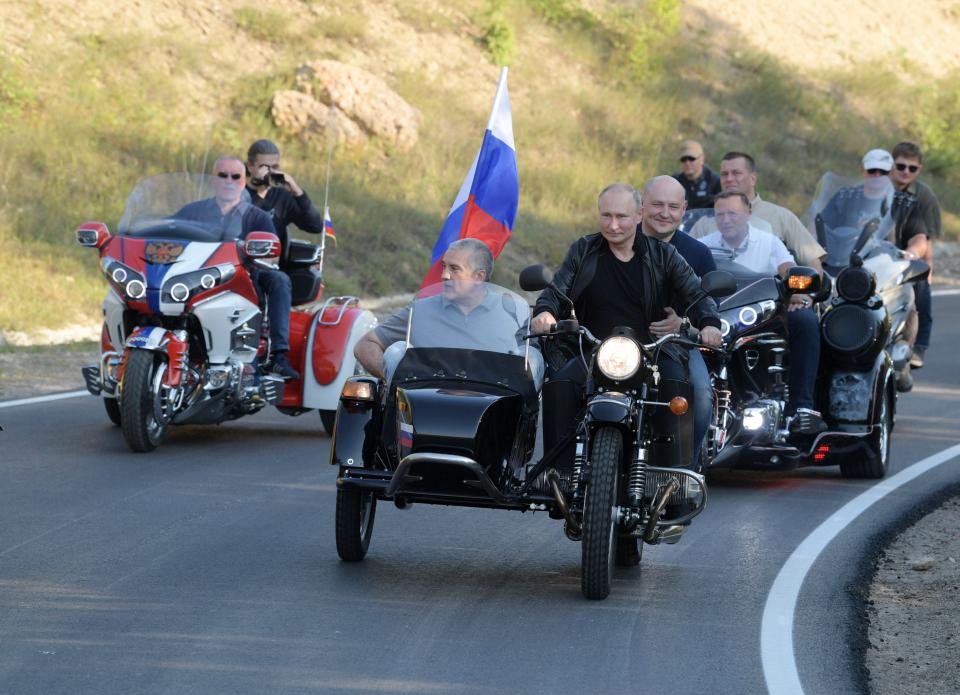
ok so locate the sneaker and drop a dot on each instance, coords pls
(807, 421)
(916, 361)
(905, 380)
(281, 365)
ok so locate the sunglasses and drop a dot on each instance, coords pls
(877, 172)
(912, 168)
(225, 175)
(688, 159)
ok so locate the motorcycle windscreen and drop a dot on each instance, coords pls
(184, 207)
(848, 212)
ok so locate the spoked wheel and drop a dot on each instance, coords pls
(599, 528)
(329, 419)
(356, 510)
(876, 462)
(145, 402)
(112, 406)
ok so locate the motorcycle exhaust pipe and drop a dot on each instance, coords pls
(666, 492)
(572, 525)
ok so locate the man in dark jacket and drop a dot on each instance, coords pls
(700, 182)
(276, 192)
(621, 278)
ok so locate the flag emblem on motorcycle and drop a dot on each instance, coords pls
(163, 252)
(406, 436)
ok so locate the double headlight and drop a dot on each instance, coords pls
(125, 280)
(743, 318)
(619, 358)
(180, 288)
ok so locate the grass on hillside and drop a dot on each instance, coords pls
(77, 130)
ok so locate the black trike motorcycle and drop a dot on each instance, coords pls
(455, 423)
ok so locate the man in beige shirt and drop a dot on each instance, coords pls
(738, 172)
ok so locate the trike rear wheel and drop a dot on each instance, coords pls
(356, 510)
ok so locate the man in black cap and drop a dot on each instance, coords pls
(699, 182)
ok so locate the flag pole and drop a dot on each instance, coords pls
(326, 188)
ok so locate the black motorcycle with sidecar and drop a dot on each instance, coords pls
(455, 423)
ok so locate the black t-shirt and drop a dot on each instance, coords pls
(286, 209)
(615, 298)
(701, 191)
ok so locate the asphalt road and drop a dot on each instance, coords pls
(209, 566)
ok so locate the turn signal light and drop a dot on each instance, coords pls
(799, 282)
(678, 405)
(357, 391)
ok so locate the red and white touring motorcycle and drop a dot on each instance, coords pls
(184, 332)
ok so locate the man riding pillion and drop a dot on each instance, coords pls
(662, 209)
(620, 278)
(764, 253)
(276, 192)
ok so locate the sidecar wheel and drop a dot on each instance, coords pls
(599, 529)
(112, 406)
(356, 510)
(629, 552)
(144, 401)
(876, 462)
(329, 419)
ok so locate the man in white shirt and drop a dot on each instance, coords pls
(762, 252)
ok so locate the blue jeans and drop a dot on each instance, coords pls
(278, 288)
(804, 340)
(924, 302)
(702, 399)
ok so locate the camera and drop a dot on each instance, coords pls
(275, 178)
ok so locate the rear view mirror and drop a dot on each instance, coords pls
(719, 283)
(534, 278)
(262, 245)
(92, 234)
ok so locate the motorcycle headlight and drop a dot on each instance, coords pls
(619, 358)
(735, 321)
(125, 280)
(180, 288)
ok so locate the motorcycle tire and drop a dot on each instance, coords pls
(629, 552)
(137, 413)
(356, 510)
(112, 406)
(329, 419)
(599, 529)
(876, 462)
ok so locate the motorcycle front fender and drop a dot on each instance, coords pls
(173, 344)
(355, 432)
(610, 408)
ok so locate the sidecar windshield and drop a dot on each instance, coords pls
(181, 206)
(845, 207)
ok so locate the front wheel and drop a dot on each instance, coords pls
(876, 463)
(143, 400)
(356, 510)
(599, 528)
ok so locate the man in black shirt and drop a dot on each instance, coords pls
(699, 182)
(621, 278)
(277, 192)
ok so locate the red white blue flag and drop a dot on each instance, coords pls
(486, 206)
(328, 226)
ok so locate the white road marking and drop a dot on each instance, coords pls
(944, 293)
(43, 399)
(776, 630)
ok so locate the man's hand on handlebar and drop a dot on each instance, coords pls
(710, 335)
(542, 323)
(671, 324)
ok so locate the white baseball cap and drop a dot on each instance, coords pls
(878, 159)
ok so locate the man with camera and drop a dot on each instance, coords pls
(277, 193)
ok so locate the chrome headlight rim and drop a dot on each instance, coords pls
(619, 358)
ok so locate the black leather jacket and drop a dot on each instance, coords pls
(671, 280)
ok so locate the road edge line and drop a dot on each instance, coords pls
(43, 399)
(776, 628)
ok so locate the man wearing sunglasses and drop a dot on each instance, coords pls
(699, 182)
(231, 209)
(920, 203)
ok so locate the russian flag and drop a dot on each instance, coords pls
(486, 206)
(328, 226)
